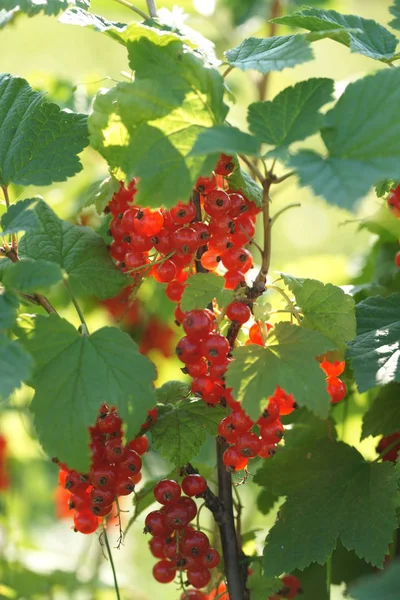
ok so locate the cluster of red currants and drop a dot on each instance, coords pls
(225, 225)
(394, 207)
(115, 470)
(178, 546)
(4, 477)
(291, 587)
(335, 386)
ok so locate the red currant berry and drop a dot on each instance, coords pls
(162, 242)
(225, 165)
(227, 430)
(211, 559)
(394, 201)
(193, 595)
(183, 213)
(140, 243)
(174, 291)
(238, 311)
(194, 485)
(202, 232)
(204, 185)
(103, 477)
(233, 460)
(248, 444)
(233, 279)
(210, 260)
(156, 546)
(114, 450)
(199, 578)
(241, 421)
(185, 240)
(286, 401)
(128, 218)
(385, 443)
(131, 464)
(189, 505)
(238, 259)
(156, 525)
(187, 350)
(164, 272)
(197, 324)
(102, 497)
(270, 414)
(203, 386)
(397, 259)
(291, 586)
(125, 485)
(167, 491)
(266, 450)
(195, 543)
(336, 389)
(217, 203)
(75, 482)
(109, 423)
(333, 369)
(85, 522)
(177, 516)
(215, 347)
(148, 222)
(272, 433)
(118, 250)
(197, 369)
(164, 571)
(245, 229)
(139, 444)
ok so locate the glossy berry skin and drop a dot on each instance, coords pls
(241, 421)
(215, 347)
(131, 464)
(139, 444)
(291, 586)
(167, 491)
(270, 414)
(183, 213)
(197, 369)
(185, 240)
(233, 460)
(210, 559)
(204, 185)
(164, 272)
(210, 260)
(238, 259)
(100, 510)
(110, 423)
(233, 279)
(197, 325)
(238, 311)
(75, 482)
(126, 485)
(148, 222)
(177, 516)
(86, 522)
(203, 386)
(195, 543)
(155, 524)
(225, 165)
(102, 497)
(114, 450)
(248, 444)
(156, 546)
(164, 571)
(286, 401)
(194, 485)
(336, 389)
(227, 430)
(217, 203)
(189, 505)
(174, 291)
(272, 433)
(266, 450)
(199, 578)
(187, 350)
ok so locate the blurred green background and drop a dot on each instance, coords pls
(71, 63)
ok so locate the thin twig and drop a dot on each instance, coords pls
(13, 235)
(275, 180)
(134, 8)
(227, 71)
(151, 5)
(256, 171)
(109, 553)
(84, 327)
(283, 210)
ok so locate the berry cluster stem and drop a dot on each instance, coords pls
(110, 557)
(84, 327)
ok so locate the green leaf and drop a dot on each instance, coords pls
(147, 128)
(288, 361)
(395, 11)
(20, 217)
(354, 503)
(292, 115)
(79, 251)
(379, 586)
(202, 288)
(39, 142)
(270, 54)
(15, 366)
(180, 430)
(74, 374)
(361, 134)
(365, 36)
(83, 18)
(383, 416)
(48, 7)
(326, 309)
(172, 391)
(242, 181)
(31, 275)
(100, 193)
(260, 587)
(8, 309)
(384, 224)
(229, 140)
(375, 352)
